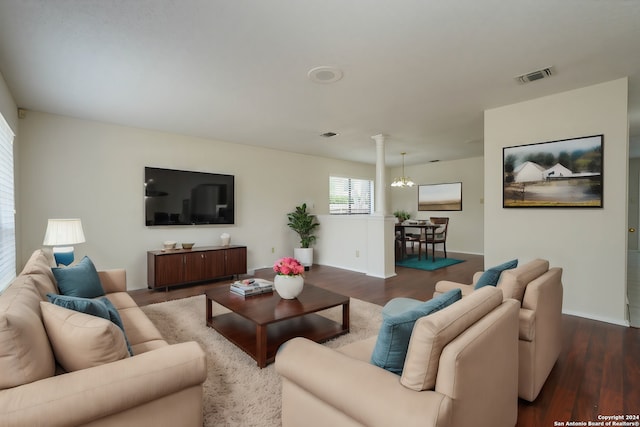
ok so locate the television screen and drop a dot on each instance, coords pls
(177, 197)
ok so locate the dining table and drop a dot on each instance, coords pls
(426, 228)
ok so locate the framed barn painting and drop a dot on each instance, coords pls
(440, 197)
(555, 174)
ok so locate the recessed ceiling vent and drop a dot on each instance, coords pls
(535, 75)
(328, 134)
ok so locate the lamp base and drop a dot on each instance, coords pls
(63, 255)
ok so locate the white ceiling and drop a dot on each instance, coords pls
(419, 71)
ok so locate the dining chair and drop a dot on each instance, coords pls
(401, 243)
(435, 237)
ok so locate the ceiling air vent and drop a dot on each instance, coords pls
(328, 134)
(535, 75)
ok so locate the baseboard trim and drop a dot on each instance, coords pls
(598, 318)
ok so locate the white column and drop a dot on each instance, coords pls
(380, 227)
(381, 191)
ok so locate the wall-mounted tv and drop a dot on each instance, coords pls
(178, 197)
(440, 197)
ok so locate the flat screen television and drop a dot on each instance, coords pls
(178, 197)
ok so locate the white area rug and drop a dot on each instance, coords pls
(237, 392)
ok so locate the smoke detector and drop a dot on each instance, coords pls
(535, 75)
(324, 75)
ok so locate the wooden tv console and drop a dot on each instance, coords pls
(173, 267)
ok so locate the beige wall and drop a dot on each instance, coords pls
(634, 203)
(590, 244)
(68, 167)
(78, 168)
(466, 232)
(95, 171)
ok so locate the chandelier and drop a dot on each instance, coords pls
(402, 181)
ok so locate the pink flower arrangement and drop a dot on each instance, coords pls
(288, 266)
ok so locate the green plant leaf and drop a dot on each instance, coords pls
(303, 223)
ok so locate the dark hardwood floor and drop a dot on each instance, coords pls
(598, 372)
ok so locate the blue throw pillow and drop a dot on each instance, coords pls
(114, 316)
(84, 305)
(398, 306)
(492, 275)
(100, 307)
(391, 347)
(80, 280)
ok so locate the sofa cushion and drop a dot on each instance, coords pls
(139, 328)
(100, 307)
(398, 317)
(39, 268)
(40, 262)
(82, 340)
(491, 276)
(25, 352)
(513, 283)
(80, 280)
(432, 333)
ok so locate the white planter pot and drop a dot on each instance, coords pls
(288, 287)
(304, 255)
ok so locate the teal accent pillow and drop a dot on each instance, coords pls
(80, 280)
(399, 305)
(100, 307)
(492, 275)
(114, 316)
(398, 317)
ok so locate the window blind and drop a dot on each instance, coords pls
(350, 196)
(7, 207)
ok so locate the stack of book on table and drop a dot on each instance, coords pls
(251, 287)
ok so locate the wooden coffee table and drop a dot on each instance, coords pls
(260, 324)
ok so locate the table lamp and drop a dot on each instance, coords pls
(62, 234)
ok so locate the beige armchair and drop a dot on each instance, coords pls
(460, 371)
(539, 290)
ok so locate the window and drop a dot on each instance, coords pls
(7, 207)
(349, 196)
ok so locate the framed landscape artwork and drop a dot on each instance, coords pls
(440, 197)
(555, 174)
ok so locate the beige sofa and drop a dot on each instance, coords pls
(538, 289)
(460, 370)
(161, 385)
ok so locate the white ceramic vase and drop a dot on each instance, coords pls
(288, 287)
(304, 255)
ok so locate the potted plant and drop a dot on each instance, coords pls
(402, 215)
(303, 223)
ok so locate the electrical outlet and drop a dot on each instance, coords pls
(273, 250)
(357, 253)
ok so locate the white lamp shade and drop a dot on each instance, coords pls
(63, 232)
